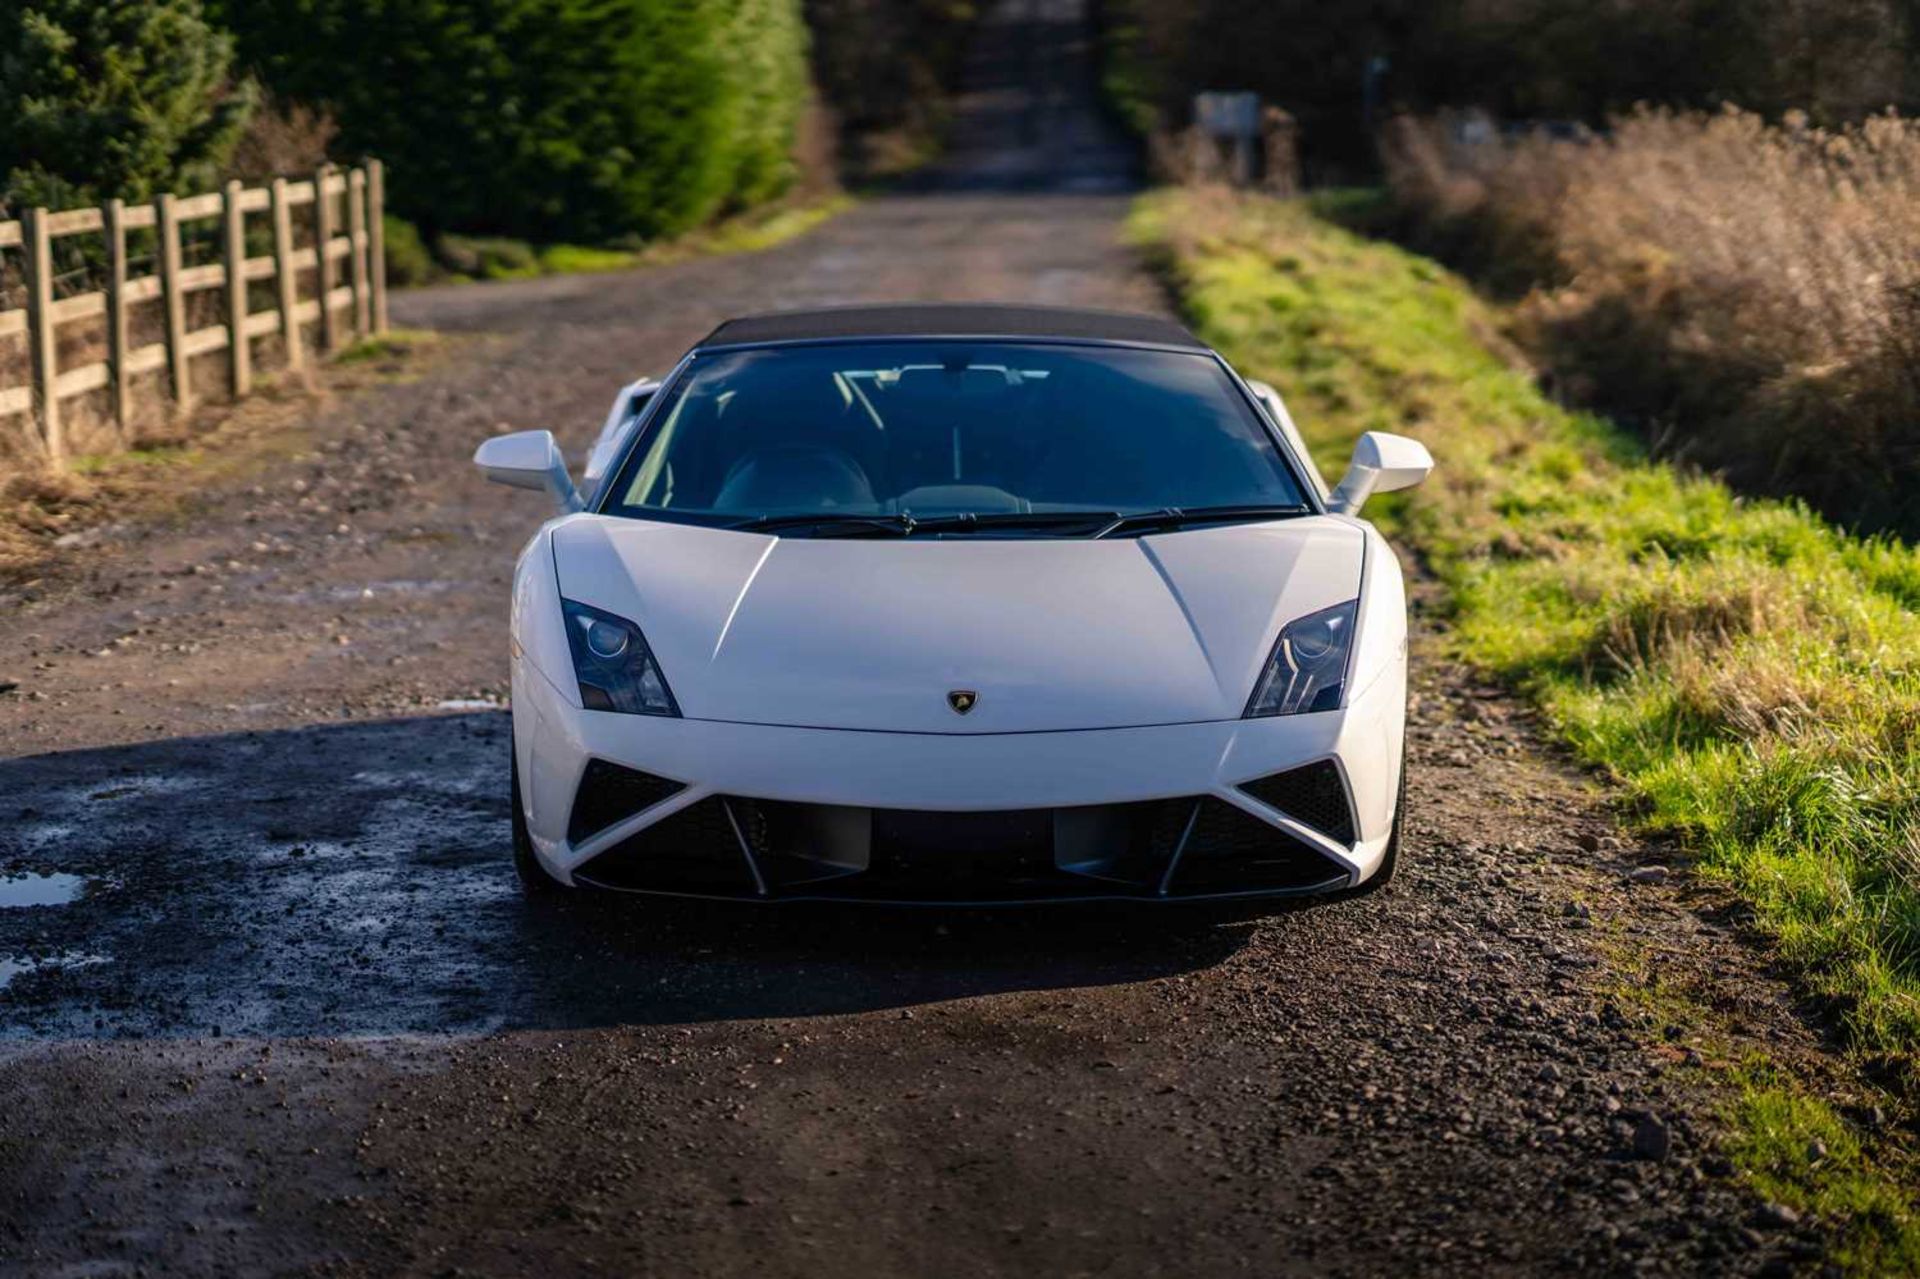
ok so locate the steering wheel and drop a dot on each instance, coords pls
(788, 476)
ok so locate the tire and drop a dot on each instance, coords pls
(534, 880)
(1391, 862)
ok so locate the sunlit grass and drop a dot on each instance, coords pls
(1748, 674)
(1796, 1150)
(577, 259)
(750, 232)
(394, 344)
(142, 456)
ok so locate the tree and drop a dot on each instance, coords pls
(122, 98)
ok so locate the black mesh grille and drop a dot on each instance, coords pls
(692, 851)
(609, 793)
(1314, 795)
(807, 850)
(1231, 850)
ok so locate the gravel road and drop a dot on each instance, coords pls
(271, 1003)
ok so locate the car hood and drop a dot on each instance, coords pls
(1048, 633)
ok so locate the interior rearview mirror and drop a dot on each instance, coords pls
(1382, 463)
(529, 460)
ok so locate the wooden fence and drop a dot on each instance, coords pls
(346, 258)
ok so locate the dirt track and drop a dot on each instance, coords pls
(298, 1018)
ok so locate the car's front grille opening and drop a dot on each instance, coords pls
(798, 845)
(1313, 795)
(692, 851)
(731, 846)
(609, 793)
(1121, 844)
(1230, 850)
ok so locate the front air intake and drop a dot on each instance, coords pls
(1314, 796)
(609, 793)
(696, 850)
(1229, 850)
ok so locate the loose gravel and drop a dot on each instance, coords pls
(298, 1020)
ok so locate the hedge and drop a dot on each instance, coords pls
(582, 120)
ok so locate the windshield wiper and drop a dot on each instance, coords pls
(988, 521)
(831, 524)
(1173, 517)
(1097, 523)
(839, 524)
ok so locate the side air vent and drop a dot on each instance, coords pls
(693, 851)
(1313, 795)
(1231, 850)
(609, 793)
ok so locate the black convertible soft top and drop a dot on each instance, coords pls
(943, 319)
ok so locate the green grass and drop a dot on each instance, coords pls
(1795, 1149)
(577, 259)
(146, 455)
(749, 232)
(1748, 675)
(394, 344)
(467, 258)
(1783, 1130)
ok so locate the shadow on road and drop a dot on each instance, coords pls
(355, 879)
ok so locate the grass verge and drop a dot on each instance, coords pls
(457, 258)
(1802, 1128)
(1748, 675)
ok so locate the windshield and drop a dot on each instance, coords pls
(955, 435)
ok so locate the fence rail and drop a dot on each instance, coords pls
(356, 294)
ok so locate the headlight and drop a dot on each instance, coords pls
(615, 667)
(1309, 664)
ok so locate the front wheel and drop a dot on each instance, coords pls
(1391, 862)
(534, 879)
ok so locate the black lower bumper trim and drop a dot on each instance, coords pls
(1183, 848)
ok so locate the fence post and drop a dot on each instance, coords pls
(377, 246)
(175, 301)
(323, 242)
(239, 350)
(287, 284)
(357, 250)
(117, 338)
(43, 354)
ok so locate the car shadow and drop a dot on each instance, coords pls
(355, 879)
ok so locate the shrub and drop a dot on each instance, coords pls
(488, 257)
(409, 261)
(127, 99)
(1748, 293)
(548, 119)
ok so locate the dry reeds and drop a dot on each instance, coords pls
(1748, 292)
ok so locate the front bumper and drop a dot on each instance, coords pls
(775, 812)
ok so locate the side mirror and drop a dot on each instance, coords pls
(1382, 463)
(529, 460)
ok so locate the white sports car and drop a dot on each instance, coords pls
(967, 604)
